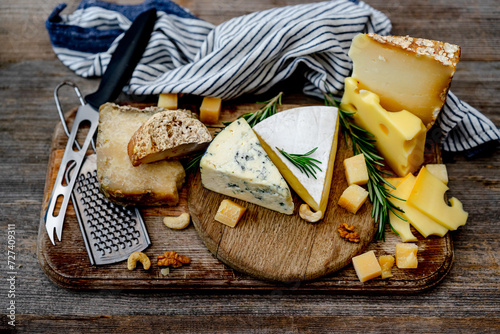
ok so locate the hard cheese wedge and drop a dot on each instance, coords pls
(407, 73)
(236, 165)
(297, 131)
(427, 196)
(400, 135)
(423, 223)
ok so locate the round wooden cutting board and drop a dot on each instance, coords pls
(272, 246)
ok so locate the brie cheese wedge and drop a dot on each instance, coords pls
(298, 131)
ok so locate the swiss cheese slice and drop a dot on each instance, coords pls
(407, 73)
(400, 136)
(236, 165)
(298, 131)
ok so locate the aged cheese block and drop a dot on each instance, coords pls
(353, 198)
(356, 171)
(236, 165)
(149, 184)
(366, 266)
(406, 256)
(386, 263)
(169, 134)
(400, 136)
(298, 131)
(407, 73)
(427, 195)
(421, 222)
(210, 109)
(168, 101)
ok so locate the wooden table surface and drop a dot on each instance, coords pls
(466, 301)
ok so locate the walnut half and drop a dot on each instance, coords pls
(173, 259)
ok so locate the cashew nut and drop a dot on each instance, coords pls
(179, 222)
(306, 214)
(138, 256)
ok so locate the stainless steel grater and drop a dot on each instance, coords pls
(111, 232)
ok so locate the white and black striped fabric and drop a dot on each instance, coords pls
(247, 54)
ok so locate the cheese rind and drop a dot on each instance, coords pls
(297, 131)
(424, 224)
(236, 165)
(406, 72)
(366, 266)
(427, 196)
(400, 136)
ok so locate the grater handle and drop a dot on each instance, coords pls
(123, 62)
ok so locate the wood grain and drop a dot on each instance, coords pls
(466, 301)
(304, 256)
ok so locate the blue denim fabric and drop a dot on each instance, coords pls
(96, 40)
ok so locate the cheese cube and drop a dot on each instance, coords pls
(168, 101)
(210, 109)
(386, 263)
(427, 195)
(407, 73)
(439, 171)
(355, 170)
(366, 266)
(406, 256)
(229, 213)
(352, 198)
(400, 136)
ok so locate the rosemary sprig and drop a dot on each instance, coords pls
(252, 119)
(364, 142)
(267, 110)
(303, 162)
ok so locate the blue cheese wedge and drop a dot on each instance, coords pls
(297, 131)
(236, 165)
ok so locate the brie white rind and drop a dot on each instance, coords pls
(297, 131)
(236, 165)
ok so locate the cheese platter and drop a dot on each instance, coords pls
(267, 250)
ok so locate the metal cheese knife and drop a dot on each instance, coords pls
(123, 62)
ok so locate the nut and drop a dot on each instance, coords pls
(347, 232)
(179, 222)
(138, 256)
(309, 216)
(172, 259)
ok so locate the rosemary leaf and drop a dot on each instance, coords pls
(364, 142)
(303, 162)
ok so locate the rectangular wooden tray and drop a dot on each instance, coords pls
(67, 264)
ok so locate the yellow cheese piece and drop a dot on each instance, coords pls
(427, 196)
(229, 213)
(210, 109)
(366, 266)
(423, 223)
(406, 256)
(407, 73)
(386, 263)
(352, 198)
(400, 135)
(439, 171)
(395, 181)
(401, 227)
(168, 101)
(355, 170)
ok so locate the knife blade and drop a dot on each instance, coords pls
(123, 62)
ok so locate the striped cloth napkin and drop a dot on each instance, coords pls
(245, 55)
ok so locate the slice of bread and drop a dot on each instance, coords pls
(170, 134)
(152, 184)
